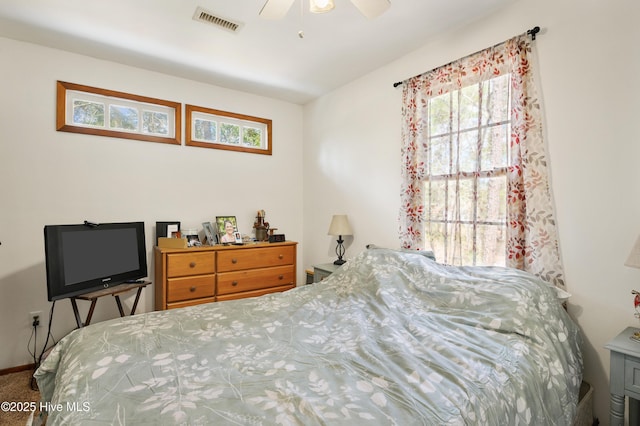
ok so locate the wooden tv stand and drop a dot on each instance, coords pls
(114, 291)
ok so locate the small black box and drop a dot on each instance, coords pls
(276, 238)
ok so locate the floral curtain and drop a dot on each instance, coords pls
(531, 241)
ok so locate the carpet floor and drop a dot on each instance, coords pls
(16, 387)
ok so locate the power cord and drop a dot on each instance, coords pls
(34, 335)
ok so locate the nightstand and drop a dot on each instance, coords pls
(322, 271)
(624, 377)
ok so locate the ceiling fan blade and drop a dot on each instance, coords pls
(275, 9)
(371, 8)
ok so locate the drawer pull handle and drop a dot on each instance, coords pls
(192, 289)
(192, 264)
(234, 261)
(280, 277)
(234, 283)
(281, 256)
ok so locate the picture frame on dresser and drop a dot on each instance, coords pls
(210, 233)
(227, 228)
(167, 230)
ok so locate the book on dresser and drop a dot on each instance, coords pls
(185, 277)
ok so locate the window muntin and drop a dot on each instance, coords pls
(466, 184)
(217, 129)
(115, 114)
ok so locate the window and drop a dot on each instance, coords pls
(475, 178)
(465, 185)
(89, 110)
(210, 128)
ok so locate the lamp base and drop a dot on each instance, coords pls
(340, 252)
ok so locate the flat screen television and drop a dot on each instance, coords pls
(87, 257)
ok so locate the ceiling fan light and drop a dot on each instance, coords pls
(321, 6)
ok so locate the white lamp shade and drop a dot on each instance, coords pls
(340, 225)
(371, 8)
(634, 257)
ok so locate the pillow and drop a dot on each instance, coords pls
(562, 295)
(425, 253)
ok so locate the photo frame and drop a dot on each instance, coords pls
(192, 238)
(210, 233)
(167, 230)
(227, 228)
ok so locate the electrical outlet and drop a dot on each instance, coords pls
(35, 317)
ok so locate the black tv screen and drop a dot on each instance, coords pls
(88, 257)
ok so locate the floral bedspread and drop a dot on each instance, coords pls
(390, 339)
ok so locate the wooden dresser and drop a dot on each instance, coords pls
(195, 275)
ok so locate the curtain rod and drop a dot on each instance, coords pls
(532, 32)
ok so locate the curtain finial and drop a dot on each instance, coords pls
(533, 31)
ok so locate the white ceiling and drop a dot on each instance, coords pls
(266, 57)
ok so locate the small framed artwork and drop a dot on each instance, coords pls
(167, 230)
(191, 236)
(238, 237)
(227, 228)
(210, 233)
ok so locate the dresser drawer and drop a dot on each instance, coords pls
(253, 293)
(255, 279)
(176, 305)
(183, 264)
(188, 288)
(237, 260)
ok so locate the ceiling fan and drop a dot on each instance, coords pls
(276, 9)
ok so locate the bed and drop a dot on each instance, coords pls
(392, 338)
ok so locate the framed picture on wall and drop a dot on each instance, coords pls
(227, 228)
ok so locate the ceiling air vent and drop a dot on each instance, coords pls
(207, 17)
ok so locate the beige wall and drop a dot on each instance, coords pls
(349, 163)
(51, 177)
(588, 64)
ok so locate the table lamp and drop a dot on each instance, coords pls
(633, 259)
(340, 226)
